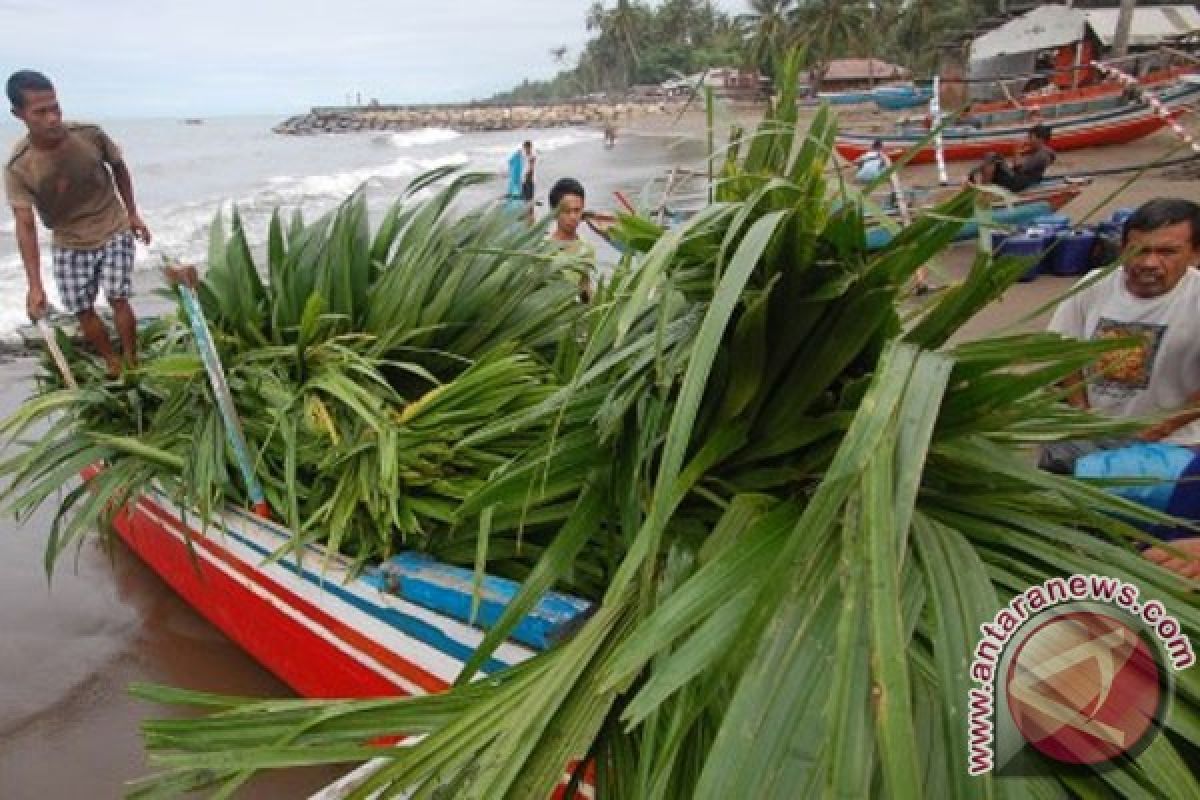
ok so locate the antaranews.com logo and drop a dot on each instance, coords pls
(1079, 669)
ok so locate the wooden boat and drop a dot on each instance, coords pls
(1113, 88)
(398, 629)
(1125, 123)
(896, 98)
(1041, 199)
(846, 98)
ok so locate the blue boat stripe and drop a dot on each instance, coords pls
(411, 626)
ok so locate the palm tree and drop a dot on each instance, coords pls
(832, 28)
(768, 32)
(618, 40)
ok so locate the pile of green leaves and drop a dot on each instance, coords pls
(361, 363)
(800, 501)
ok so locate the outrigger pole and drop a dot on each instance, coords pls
(216, 378)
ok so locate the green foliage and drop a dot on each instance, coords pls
(362, 366)
(803, 502)
(636, 42)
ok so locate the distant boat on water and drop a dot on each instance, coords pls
(193, 121)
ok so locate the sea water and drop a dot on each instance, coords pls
(185, 174)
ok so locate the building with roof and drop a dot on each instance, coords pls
(1057, 39)
(844, 74)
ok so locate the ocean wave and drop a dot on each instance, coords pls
(545, 144)
(290, 188)
(423, 136)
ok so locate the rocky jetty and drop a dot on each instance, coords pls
(468, 118)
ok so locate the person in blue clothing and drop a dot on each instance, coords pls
(520, 174)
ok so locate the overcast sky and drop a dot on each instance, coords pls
(114, 58)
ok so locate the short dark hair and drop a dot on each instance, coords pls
(1161, 212)
(528, 145)
(1041, 131)
(26, 80)
(877, 144)
(565, 186)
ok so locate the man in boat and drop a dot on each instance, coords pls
(74, 175)
(1024, 170)
(1155, 299)
(872, 163)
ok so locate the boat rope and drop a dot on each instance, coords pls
(1160, 110)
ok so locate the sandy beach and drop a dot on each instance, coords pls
(67, 726)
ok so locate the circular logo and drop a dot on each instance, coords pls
(1084, 688)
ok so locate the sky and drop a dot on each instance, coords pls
(127, 58)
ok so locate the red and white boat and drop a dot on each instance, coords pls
(1156, 79)
(1119, 125)
(324, 633)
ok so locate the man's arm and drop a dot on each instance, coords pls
(1076, 388)
(31, 257)
(1161, 430)
(1069, 320)
(124, 183)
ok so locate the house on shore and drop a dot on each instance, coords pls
(849, 74)
(728, 83)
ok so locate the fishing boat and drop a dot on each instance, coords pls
(847, 98)
(1036, 201)
(1155, 79)
(400, 628)
(896, 98)
(1125, 123)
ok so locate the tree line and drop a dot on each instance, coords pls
(635, 42)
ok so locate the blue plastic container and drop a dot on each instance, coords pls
(1072, 252)
(1109, 229)
(1121, 215)
(1032, 245)
(1053, 222)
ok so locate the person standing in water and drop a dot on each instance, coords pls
(75, 177)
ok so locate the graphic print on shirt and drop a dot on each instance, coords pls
(1121, 371)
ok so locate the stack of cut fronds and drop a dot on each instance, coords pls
(796, 504)
(360, 369)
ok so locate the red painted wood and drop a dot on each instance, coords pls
(303, 660)
(1063, 139)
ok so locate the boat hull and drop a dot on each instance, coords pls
(1110, 88)
(1117, 126)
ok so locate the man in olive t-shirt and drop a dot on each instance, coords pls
(73, 175)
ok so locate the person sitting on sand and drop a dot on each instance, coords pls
(74, 175)
(1155, 298)
(1024, 170)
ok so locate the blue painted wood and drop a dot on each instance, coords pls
(448, 590)
(216, 379)
(1018, 215)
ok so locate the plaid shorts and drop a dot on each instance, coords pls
(80, 273)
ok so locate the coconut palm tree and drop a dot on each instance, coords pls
(617, 42)
(767, 30)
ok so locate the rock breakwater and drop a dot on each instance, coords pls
(468, 118)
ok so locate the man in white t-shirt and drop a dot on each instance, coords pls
(1155, 298)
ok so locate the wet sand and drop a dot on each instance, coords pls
(68, 729)
(72, 646)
